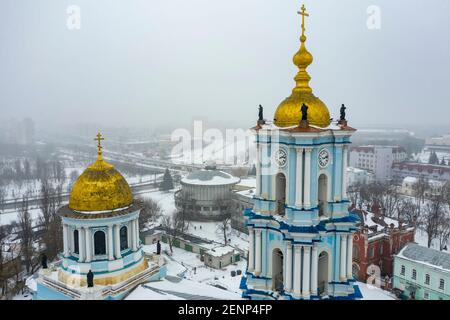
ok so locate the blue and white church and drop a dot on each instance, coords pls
(300, 229)
(101, 237)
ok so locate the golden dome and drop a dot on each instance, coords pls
(288, 112)
(100, 187)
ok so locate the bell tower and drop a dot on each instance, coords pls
(300, 229)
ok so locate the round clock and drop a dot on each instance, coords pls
(281, 157)
(324, 158)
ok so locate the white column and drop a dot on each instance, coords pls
(130, 233)
(258, 170)
(88, 237)
(314, 269)
(70, 239)
(110, 243)
(288, 268)
(299, 179)
(65, 241)
(81, 245)
(297, 269)
(344, 172)
(349, 256)
(251, 250)
(117, 242)
(134, 241)
(342, 269)
(306, 271)
(136, 224)
(307, 191)
(258, 252)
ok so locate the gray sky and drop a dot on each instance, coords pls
(157, 62)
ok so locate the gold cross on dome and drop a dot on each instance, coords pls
(304, 14)
(99, 146)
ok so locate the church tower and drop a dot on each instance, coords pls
(300, 229)
(103, 257)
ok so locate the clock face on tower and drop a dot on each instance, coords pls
(281, 157)
(324, 158)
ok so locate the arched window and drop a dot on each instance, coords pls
(123, 238)
(355, 253)
(322, 195)
(280, 187)
(76, 245)
(99, 243)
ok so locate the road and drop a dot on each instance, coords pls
(32, 202)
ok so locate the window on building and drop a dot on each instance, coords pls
(402, 271)
(427, 279)
(123, 238)
(381, 249)
(355, 253)
(99, 243)
(426, 295)
(76, 244)
(441, 284)
(372, 252)
(414, 274)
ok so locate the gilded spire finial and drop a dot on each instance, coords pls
(99, 145)
(303, 59)
(304, 14)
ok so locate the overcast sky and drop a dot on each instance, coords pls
(157, 62)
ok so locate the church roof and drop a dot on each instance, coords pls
(210, 177)
(100, 187)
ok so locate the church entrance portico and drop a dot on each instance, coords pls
(277, 270)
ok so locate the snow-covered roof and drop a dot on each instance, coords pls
(220, 251)
(427, 256)
(248, 182)
(410, 180)
(209, 177)
(183, 289)
(247, 193)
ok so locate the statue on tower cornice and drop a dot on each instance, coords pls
(261, 115)
(343, 120)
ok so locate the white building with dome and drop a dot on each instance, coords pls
(205, 193)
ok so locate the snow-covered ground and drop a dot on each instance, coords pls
(421, 238)
(424, 156)
(370, 292)
(220, 150)
(197, 279)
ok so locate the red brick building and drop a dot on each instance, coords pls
(378, 240)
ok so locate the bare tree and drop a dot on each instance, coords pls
(49, 220)
(354, 194)
(224, 227)
(443, 231)
(390, 200)
(25, 234)
(408, 211)
(431, 217)
(175, 226)
(419, 189)
(3, 194)
(151, 211)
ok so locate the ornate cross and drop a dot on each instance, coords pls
(99, 146)
(304, 14)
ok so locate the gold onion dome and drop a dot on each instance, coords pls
(288, 112)
(100, 187)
